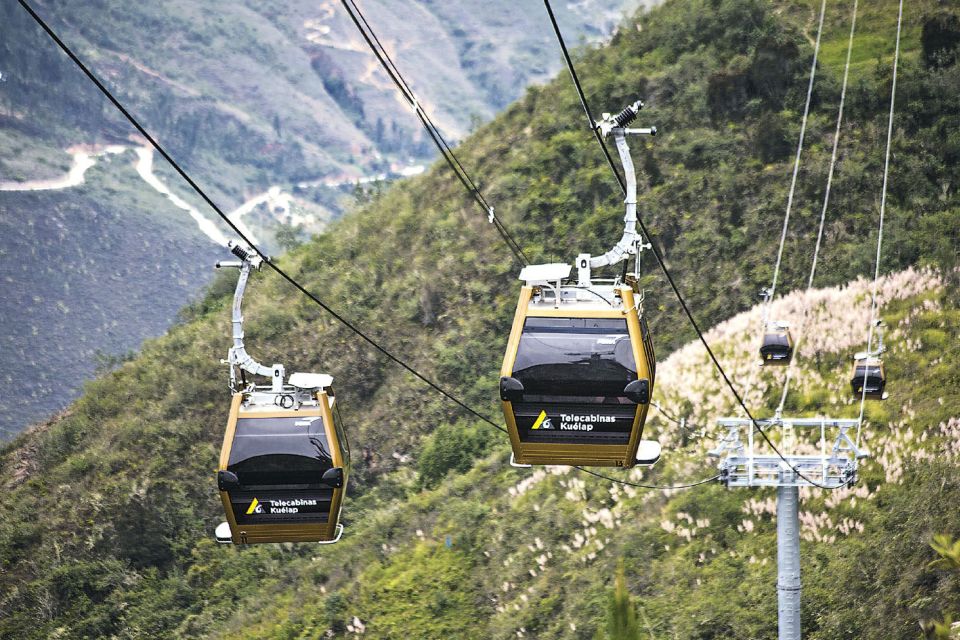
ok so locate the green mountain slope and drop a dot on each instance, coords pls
(247, 97)
(109, 510)
(497, 551)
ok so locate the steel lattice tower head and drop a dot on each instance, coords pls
(803, 463)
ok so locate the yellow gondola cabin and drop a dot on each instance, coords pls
(578, 372)
(283, 471)
(285, 457)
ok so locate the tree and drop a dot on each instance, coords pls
(622, 623)
(288, 236)
(949, 551)
(940, 39)
(452, 447)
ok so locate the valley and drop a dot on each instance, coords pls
(287, 123)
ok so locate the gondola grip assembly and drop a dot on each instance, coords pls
(237, 356)
(616, 125)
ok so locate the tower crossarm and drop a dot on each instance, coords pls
(744, 464)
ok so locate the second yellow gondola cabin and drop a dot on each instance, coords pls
(578, 372)
(285, 457)
(579, 368)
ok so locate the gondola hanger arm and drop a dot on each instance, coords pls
(616, 125)
(237, 356)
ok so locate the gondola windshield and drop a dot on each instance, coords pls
(280, 451)
(574, 372)
(871, 372)
(575, 359)
(280, 464)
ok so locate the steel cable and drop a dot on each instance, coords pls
(380, 52)
(874, 305)
(826, 202)
(796, 164)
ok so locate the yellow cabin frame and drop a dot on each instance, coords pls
(283, 532)
(611, 455)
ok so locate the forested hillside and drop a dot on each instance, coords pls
(109, 509)
(278, 111)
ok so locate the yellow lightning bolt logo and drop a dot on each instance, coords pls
(539, 420)
(253, 506)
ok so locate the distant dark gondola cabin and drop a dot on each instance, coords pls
(577, 377)
(777, 346)
(869, 377)
(283, 471)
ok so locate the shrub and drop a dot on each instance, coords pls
(450, 448)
